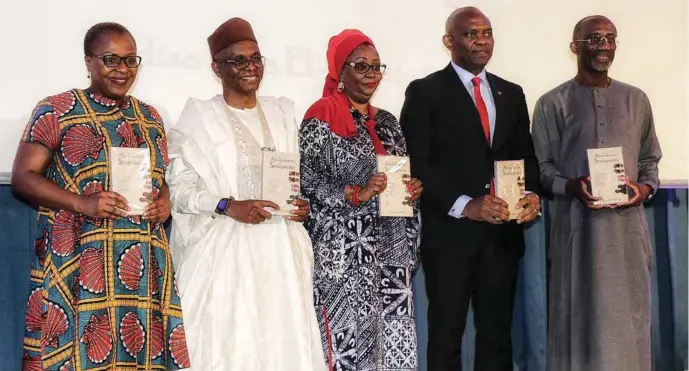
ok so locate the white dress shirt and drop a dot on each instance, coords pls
(466, 77)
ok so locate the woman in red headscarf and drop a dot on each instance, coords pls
(363, 262)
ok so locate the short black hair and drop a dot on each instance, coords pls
(102, 29)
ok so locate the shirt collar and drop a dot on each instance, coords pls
(466, 76)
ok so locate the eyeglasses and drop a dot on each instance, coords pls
(242, 63)
(113, 60)
(363, 67)
(596, 39)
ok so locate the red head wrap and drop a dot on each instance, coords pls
(333, 107)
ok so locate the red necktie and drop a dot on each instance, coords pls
(483, 114)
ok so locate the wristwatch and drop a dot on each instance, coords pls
(223, 204)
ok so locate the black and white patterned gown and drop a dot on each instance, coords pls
(363, 263)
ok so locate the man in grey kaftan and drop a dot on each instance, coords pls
(599, 291)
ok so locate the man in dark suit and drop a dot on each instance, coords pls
(457, 122)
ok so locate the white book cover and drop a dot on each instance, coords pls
(130, 176)
(510, 184)
(280, 180)
(392, 202)
(608, 180)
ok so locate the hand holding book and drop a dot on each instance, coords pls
(250, 211)
(578, 188)
(641, 194)
(487, 208)
(302, 211)
(108, 205)
(158, 208)
(414, 188)
(530, 205)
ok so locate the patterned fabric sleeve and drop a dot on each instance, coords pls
(43, 127)
(324, 191)
(161, 141)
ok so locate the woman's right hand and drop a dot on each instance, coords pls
(250, 211)
(376, 185)
(108, 205)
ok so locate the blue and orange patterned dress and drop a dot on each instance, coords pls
(103, 293)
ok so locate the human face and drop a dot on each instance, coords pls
(240, 67)
(112, 81)
(595, 45)
(362, 73)
(470, 41)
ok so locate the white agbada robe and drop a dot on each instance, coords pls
(247, 293)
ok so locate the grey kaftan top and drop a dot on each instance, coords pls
(599, 292)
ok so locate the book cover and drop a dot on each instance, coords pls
(392, 202)
(608, 177)
(130, 176)
(280, 180)
(510, 184)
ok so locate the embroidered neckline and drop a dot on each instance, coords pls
(108, 102)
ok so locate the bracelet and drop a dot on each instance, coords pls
(355, 195)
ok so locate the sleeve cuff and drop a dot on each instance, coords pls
(654, 189)
(208, 203)
(458, 207)
(559, 186)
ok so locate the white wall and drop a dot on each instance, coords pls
(42, 51)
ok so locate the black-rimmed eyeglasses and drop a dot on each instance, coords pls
(363, 67)
(114, 60)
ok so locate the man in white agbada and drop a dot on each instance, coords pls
(244, 276)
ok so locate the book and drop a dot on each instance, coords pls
(280, 180)
(510, 184)
(392, 202)
(608, 177)
(130, 176)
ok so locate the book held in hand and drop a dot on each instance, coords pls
(510, 184)
(130, 176)
(608, 177)
(280, 180)
(393, 201)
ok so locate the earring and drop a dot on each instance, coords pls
(340, 87)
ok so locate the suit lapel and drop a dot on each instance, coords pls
(500, 131)
(459, 97)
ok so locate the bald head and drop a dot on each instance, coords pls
(469, 38)
(586, 22)
(461, 16)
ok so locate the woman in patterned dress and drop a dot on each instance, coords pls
(103, 292)
(363, 262)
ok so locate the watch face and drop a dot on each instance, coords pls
(222, 204)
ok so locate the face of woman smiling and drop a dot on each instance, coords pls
(112, 81)
(361, 80)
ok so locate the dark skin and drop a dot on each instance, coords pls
(239, 86)
(593, 62)
(359, 89)
(32, 159)
(239, 91)
(469, 38)
(112, 82)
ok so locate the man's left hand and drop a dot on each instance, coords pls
(531, 205)
(302, 211)
(641, 193)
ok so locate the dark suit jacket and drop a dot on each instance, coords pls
(449, 154)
